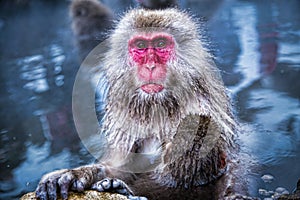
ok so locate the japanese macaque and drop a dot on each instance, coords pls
(90, 21)
(157, 4)
(168, 120)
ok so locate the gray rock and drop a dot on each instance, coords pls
(86, 195)
(267, 178)
(281, 190)
(294, 196)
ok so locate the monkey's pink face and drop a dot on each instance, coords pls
(151, 53)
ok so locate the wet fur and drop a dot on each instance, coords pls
(176, 144)
(194, 93)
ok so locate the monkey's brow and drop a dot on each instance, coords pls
(152, 36)
(152, 39)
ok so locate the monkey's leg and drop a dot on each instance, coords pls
(116, 186)
(77, 179)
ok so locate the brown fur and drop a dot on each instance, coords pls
(176, 144)
(90, 21)
(194, 94)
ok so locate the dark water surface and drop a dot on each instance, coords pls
(257, 46)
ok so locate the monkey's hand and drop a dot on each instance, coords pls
(116, 186)
(62, 181)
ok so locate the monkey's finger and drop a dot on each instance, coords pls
(52, 189)
(121, 187)
(107, 184)
(112, 185)
(41, 192)
(77, 186)
(64, 184)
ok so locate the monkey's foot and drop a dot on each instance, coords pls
(116, 186)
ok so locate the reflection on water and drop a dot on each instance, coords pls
(247, 62)
(264, 52)
(38, 66)
(277, 143)
(34, 69)
(257, 45)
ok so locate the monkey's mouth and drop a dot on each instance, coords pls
(151, 88)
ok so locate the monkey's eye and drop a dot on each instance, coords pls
(161, 43)
(140, 44)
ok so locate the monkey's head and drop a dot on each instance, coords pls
(89, 18)
(87, 8)
(157, 64)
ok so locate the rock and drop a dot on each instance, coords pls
(267, 178)
(281, 190)
(264, 192)
(289, 197)
(294, 196)
(240, 197)
(86, 195)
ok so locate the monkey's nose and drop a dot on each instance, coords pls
(151, 59)
(150, 65)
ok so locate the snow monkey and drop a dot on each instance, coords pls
(90, 21)
(168, 120)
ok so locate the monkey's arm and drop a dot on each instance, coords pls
(197, 151)
(77, 179)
